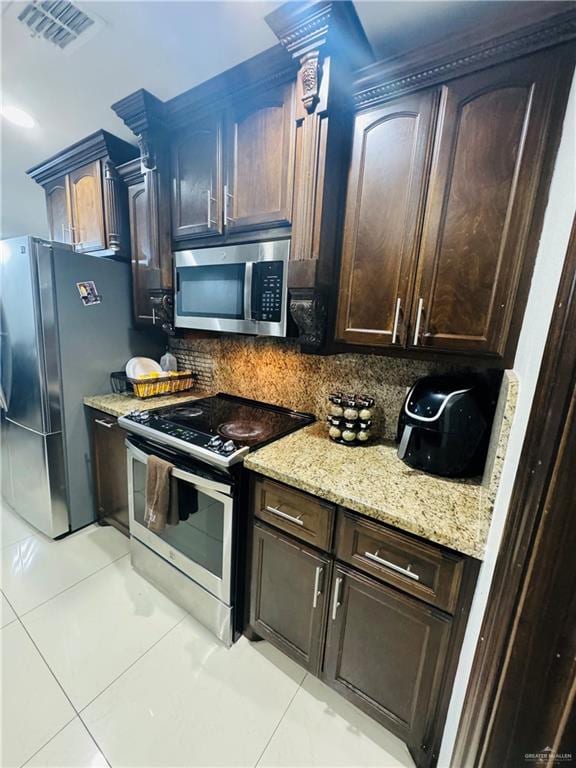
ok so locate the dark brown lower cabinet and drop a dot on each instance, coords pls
(109, 470)
(377, 613)
(289, 596)
(385, 652)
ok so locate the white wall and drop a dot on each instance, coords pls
(548, 267)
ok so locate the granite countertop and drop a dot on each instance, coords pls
(372, 480)
(120, 405)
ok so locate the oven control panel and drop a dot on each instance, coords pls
(155, 424)
(267, 287)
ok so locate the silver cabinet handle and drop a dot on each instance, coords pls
(317, 590)
(276, 511)
(226, 196)
(392, 566)
(210, 199)
(418, 321)
(107, 424)
(396, 320)
(153, 316)
(336, 597)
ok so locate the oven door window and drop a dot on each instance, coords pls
(198, 545)
(215, 290)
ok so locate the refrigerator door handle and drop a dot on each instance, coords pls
(3, 401)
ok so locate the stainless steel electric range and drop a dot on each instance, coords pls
(199, 562)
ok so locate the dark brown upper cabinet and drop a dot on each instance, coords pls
(485, 174)
(86, 204)
(260, 162)
(387, 178)
(235, 174)
(146, 269)
(86, 208)
(197, 186)
(385, 652)
(58, 208)
(446, 194)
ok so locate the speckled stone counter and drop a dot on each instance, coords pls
(373, 481)
(120, 405)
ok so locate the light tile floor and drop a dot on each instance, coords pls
(99, 668)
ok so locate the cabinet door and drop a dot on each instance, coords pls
(288, 596)
(58, 206)
(385, 652)
(383, 210)
(87, 207)
(260, 162)
(110, 471)
(485, 172)
(197, 194)
(145, 268)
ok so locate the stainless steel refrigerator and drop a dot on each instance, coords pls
(65, 324)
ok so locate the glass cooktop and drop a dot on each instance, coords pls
(246, 422)
(220, 426)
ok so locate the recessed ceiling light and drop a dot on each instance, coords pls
(18, 116)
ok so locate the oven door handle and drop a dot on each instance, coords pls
(180, 474)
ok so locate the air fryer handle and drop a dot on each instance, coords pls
(404, 440)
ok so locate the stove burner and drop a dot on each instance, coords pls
(188, 413)
(241, 430)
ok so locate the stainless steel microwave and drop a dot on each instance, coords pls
(235, 289)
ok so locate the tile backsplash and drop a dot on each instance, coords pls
(277, 372)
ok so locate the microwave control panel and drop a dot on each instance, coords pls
(267, 295)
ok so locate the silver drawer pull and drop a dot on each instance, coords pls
(392, 566)
(336, 598)
(317, 590)
(107, 424)
(276, 511)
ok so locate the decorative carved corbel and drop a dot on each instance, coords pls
(163, 304)
(147, 153)
(309, 312)
(310, 74)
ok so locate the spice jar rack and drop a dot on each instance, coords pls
(350, 418)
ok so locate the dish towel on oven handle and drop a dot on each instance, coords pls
(161, 495)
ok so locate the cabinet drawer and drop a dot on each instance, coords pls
(297, 513)
(421, 569)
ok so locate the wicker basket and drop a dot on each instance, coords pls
(152, 386)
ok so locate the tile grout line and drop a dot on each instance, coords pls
(66, 589)
(58, 683)
(155, 643)
(79, 711)
(23, 765)
(257, 763)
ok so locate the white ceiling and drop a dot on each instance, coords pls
(165, 47)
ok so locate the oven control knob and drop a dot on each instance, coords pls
(144, 416)
(214, 443)
(229, 447)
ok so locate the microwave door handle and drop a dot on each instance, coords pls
(248, 290)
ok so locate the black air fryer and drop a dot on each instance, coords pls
(444, 426)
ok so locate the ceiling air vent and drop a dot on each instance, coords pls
(59, 22)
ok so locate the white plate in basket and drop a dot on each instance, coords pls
(140, 366)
